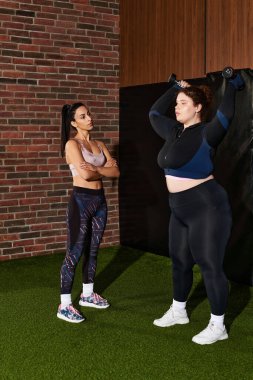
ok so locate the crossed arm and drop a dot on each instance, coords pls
(88, 171)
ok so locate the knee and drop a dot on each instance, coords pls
(181, 266)
(69, 263)
(211, 273)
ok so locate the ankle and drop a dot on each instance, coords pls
(217, 320)
(87, 289)
(178, 306)
(65, 300)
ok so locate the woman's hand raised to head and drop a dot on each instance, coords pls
(184, 84)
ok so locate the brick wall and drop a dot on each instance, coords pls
(52, 52)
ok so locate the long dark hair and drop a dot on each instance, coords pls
(200, 95)
(68, 115)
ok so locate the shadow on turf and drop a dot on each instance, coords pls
(239, 297)
(122, 260)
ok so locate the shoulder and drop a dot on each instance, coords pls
(101, 144)
(104, 149)
(72, 144)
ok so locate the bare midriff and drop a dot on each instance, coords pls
(80, 182)
(177, 184)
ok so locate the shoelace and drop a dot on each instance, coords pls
(74, 311)
(169, 311)
(213, 327)
(97, 297)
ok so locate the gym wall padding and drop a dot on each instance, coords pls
(143, 196)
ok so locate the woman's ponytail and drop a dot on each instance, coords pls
(65, 127)
(68, 115)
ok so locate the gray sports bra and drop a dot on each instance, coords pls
(91, 158)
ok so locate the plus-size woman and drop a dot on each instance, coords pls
(200, 221)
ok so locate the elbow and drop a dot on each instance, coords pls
(150, 115)
(116, 173)
(153, 113)
(153, 117)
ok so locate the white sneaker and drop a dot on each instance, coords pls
(172, 317)
(211, 334)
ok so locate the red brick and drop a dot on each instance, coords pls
(9, 237)
(45, 240)
(34, 248)
(15, 25)
(11, 251)
(6, 257)
(8, 4)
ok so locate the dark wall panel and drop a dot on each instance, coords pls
(158, 37)
(229, 34)
(143, 194)
(189, 37)
(143, 197)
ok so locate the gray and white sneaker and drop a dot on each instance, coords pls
(210, 334)
(172, 317)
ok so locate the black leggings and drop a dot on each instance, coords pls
(199, 230)
(86, 220)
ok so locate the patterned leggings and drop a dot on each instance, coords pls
(86, 221)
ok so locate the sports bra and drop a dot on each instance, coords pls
(91, 158)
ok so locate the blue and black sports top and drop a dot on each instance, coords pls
(188, 153)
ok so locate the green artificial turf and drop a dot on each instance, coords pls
(120, 342)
